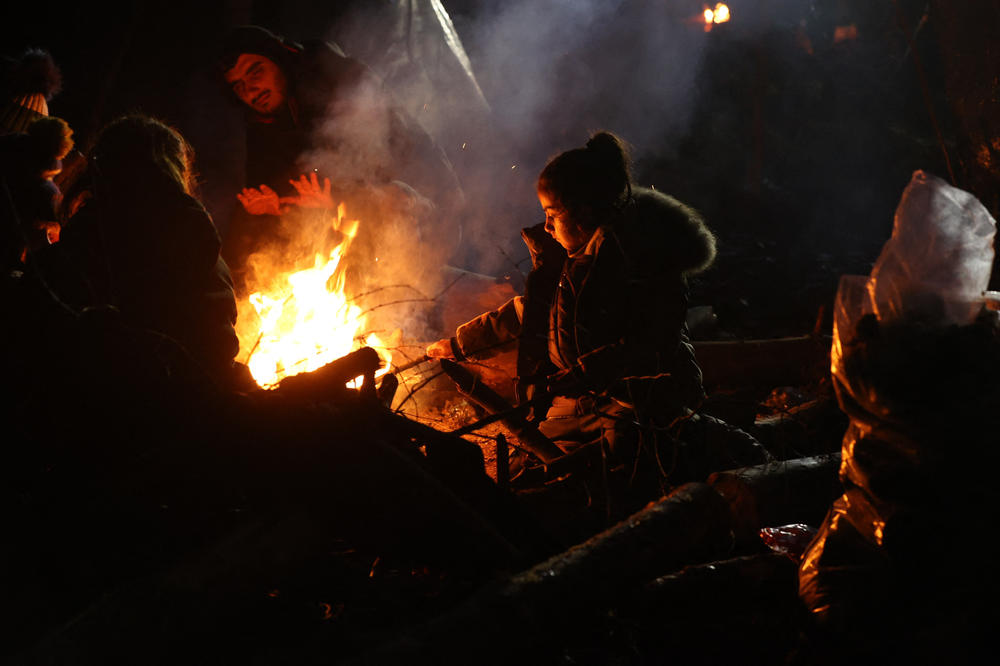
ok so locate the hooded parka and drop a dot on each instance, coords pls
(609, 320)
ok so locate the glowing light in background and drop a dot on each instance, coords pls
(720, 14)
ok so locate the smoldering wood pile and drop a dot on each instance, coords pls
(312, 524)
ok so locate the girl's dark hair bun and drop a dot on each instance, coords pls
(605, 144)
(596, 176)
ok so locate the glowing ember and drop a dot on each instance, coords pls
(718, 15)
(306, 320)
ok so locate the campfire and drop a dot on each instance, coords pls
(303, 319)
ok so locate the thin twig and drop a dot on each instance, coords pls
(515, 264)
(449, 286)
(388, 286)
(419, 386)
(399, 302)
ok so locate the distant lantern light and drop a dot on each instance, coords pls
(720, 14)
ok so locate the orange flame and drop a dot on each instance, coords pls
(720, 14)
(306, 320)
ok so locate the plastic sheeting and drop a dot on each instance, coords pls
(414, 46)
(916, 366)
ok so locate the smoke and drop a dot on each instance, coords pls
(545, 75)
(551, 73)
(558, 69)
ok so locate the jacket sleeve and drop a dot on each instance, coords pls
(492, 332)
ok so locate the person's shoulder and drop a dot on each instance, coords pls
(329, 58)
(177, 217)
(196, 213)
(654, 204)
(668, 225)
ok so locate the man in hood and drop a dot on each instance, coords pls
(313, 110)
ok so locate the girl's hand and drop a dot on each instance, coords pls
(440, 349)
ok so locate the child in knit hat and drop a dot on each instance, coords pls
(30, 199)
(27, 85)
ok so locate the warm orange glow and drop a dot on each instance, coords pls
(305, 320)
(845, 33)
(720, 14)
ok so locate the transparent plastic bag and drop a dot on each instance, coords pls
(933, 270)
(937, 263)
(916, 367)
(791, 540)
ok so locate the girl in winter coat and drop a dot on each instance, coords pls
(600, 330)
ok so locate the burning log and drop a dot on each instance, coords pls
(791, 491)
(526, 432)
(542, 605)
(298, 319)
(330, 380)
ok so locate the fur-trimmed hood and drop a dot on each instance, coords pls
(673, 230)
(654, 229)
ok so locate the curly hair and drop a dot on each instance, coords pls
(51, 137)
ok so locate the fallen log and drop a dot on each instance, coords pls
(780, 493)
(707, 584)
(763, 363)
(529, 615)
(740, 610)
(813, 428)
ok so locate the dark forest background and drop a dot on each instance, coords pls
(794, 127)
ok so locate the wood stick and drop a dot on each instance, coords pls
(473, 389)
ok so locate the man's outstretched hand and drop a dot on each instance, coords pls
(263, 201)
(311, 194)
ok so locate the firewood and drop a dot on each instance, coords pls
(707, 613)
(772, 362)
(478, 392)
(780, 493)
(329, 381)
(528, 612)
